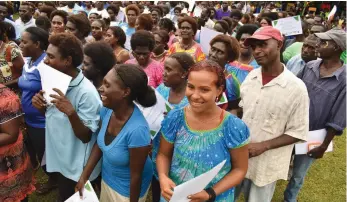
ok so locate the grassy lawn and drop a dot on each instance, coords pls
(326, 180)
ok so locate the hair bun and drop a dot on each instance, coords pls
(147, 98)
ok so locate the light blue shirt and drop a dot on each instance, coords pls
(65, 153)
(116, 156)
(15, 27)
(129, 31)
(296, 64)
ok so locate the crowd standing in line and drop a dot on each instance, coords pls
(278, 88)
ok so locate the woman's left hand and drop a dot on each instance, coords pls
(199, 197)
(62, 103)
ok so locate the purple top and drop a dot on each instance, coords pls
(220, 14)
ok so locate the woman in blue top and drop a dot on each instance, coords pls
(173, 89)
(34, 43)
(198, 137)
(124, 137)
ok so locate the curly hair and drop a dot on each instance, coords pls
(133, 7)
(232, 45)
(68, 45)
(82, 23)
(48, 10)
(166, 23)
(114, 8)
(7, 30)
(102, 56)
(164, 35)
(224, 24)
(142, 38)
(246, 29)
(9, 7)
(60, 13)
(119, 34)
(43, 22)
(145, 21)
(189, 20)
(158, 10)
(184, 59)
(211, 66)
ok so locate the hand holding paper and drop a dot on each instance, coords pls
(314, 139)
(52, 78)
(88, 195)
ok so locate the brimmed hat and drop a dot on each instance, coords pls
(337, 35)
(265, 33)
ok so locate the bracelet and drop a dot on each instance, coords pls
(211, 193)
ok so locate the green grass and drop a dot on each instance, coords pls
(326, 180)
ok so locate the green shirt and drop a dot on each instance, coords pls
(343, 57)
(292, 51)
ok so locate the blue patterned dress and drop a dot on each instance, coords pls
(196, 152)
(165, 92)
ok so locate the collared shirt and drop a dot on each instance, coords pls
(296, 64)
(65, 153)
(21, 26)
(271, 110)
(327, 96)
(209, 24)
(30, 84)
(15, 27)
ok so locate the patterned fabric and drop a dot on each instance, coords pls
(271, 110)
(239, 70)
(196, 152)
(165, 92)
(195, 51)
(9, 53)
(16, 178)
(232, 90)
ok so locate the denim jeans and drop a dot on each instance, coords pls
(301, 165)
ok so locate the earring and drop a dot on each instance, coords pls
(216, 99)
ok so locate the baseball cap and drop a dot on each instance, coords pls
(265, 33)
(335, 34)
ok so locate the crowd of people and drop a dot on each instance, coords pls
(121, 54)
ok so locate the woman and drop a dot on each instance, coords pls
(43, 22)
(124, 138)
(199, 136)
(46, 11)
(161, 38)
(156, 14)
(58, 21)
(113, 11)
(16, 174)
(188, 28)
(265, 21)
(173, 90)
(144, 22)
(79, 26)
(221, 26)
(97, 62)
(116, 37)
(34, 43)
(98, 30)
(71, 119)
(167, 25)
(213, 14)
(223, 50)
(142, 44)
(246, 62)
(11, 60)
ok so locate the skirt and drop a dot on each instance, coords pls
(108, 194)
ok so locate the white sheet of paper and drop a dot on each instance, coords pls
(88, 195)
(155, 115)
(193, 186)
(288, 26)
(52, 78)
(206, 35)
(191, 5)
(332, 12)
(313, 137)
(114, 24)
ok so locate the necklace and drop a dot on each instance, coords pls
(186, 47)
(158, 56)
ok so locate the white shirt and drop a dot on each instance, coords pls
(103, 13)
(209, 24)
(21, 26)
(15, 27)
(279, 107)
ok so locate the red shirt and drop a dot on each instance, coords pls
(267, 78)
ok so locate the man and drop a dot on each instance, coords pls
(295, 48)
(88, 6)
(71, 8)
(131, 11)
(5, 11)
(205, 18)
(308, 53)
(100, 10)
(25, 19)
(224, 11)
(325, 80)
(317, 29)
(275, 108)
(318, 20)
